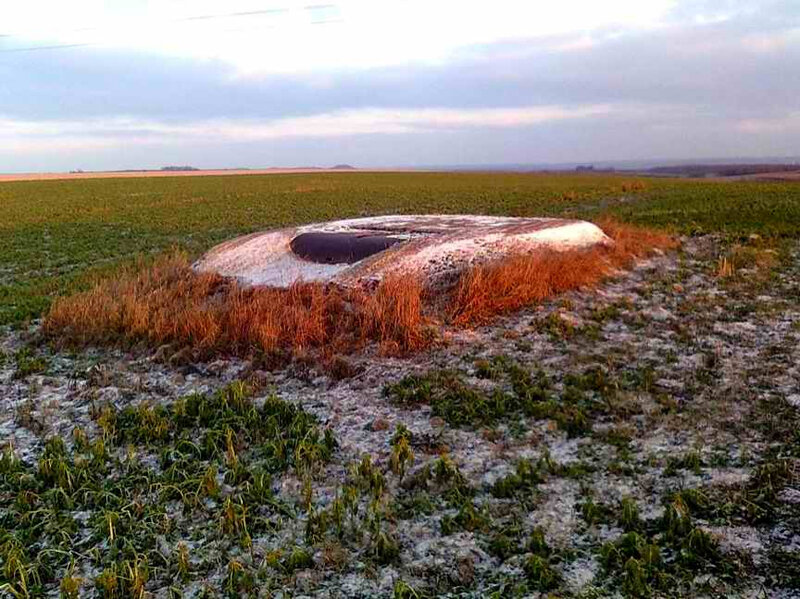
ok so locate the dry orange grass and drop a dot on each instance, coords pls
(501, 287)
(169, 303)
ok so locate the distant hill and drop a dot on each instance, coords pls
(343, 167)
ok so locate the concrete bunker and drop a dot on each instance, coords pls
(364, 250)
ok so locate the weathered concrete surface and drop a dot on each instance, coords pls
(431, 246)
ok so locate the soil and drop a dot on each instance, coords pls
(706, 350)
(197, 173)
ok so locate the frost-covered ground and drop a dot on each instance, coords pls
(640, 438)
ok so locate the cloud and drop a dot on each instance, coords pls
(33, 136)
(291, 37)
(623, 134)
(761, 126)
(511, 84)
(737, 64)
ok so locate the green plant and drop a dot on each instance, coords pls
(402, 455)
(28, 363)
(108, 582)
(593, 513)
(403, 590)
(369, 477)
(384, 548)
(523, 481)
(492, 369)
(70, 586)
(467, 518)
(689, 461)
(540, 574)
(182, 561)
(239, 580)
(537, 543)
(505, 543)
(629, 517)
(298, 559)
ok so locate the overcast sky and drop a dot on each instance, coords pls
(96, 84)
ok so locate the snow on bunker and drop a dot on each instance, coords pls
(364, 250)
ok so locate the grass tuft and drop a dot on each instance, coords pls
(170, 304)
(510, 284)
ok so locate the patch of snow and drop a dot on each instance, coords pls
(744, 539)
(435, 245)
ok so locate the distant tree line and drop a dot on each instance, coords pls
(723, 170)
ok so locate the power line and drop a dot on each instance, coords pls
(271, 11)
(208, 17)
(37, 48)
(248, 13)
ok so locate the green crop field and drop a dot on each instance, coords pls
(55, 234)
(640, 438)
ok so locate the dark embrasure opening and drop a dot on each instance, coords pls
(340, 248)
